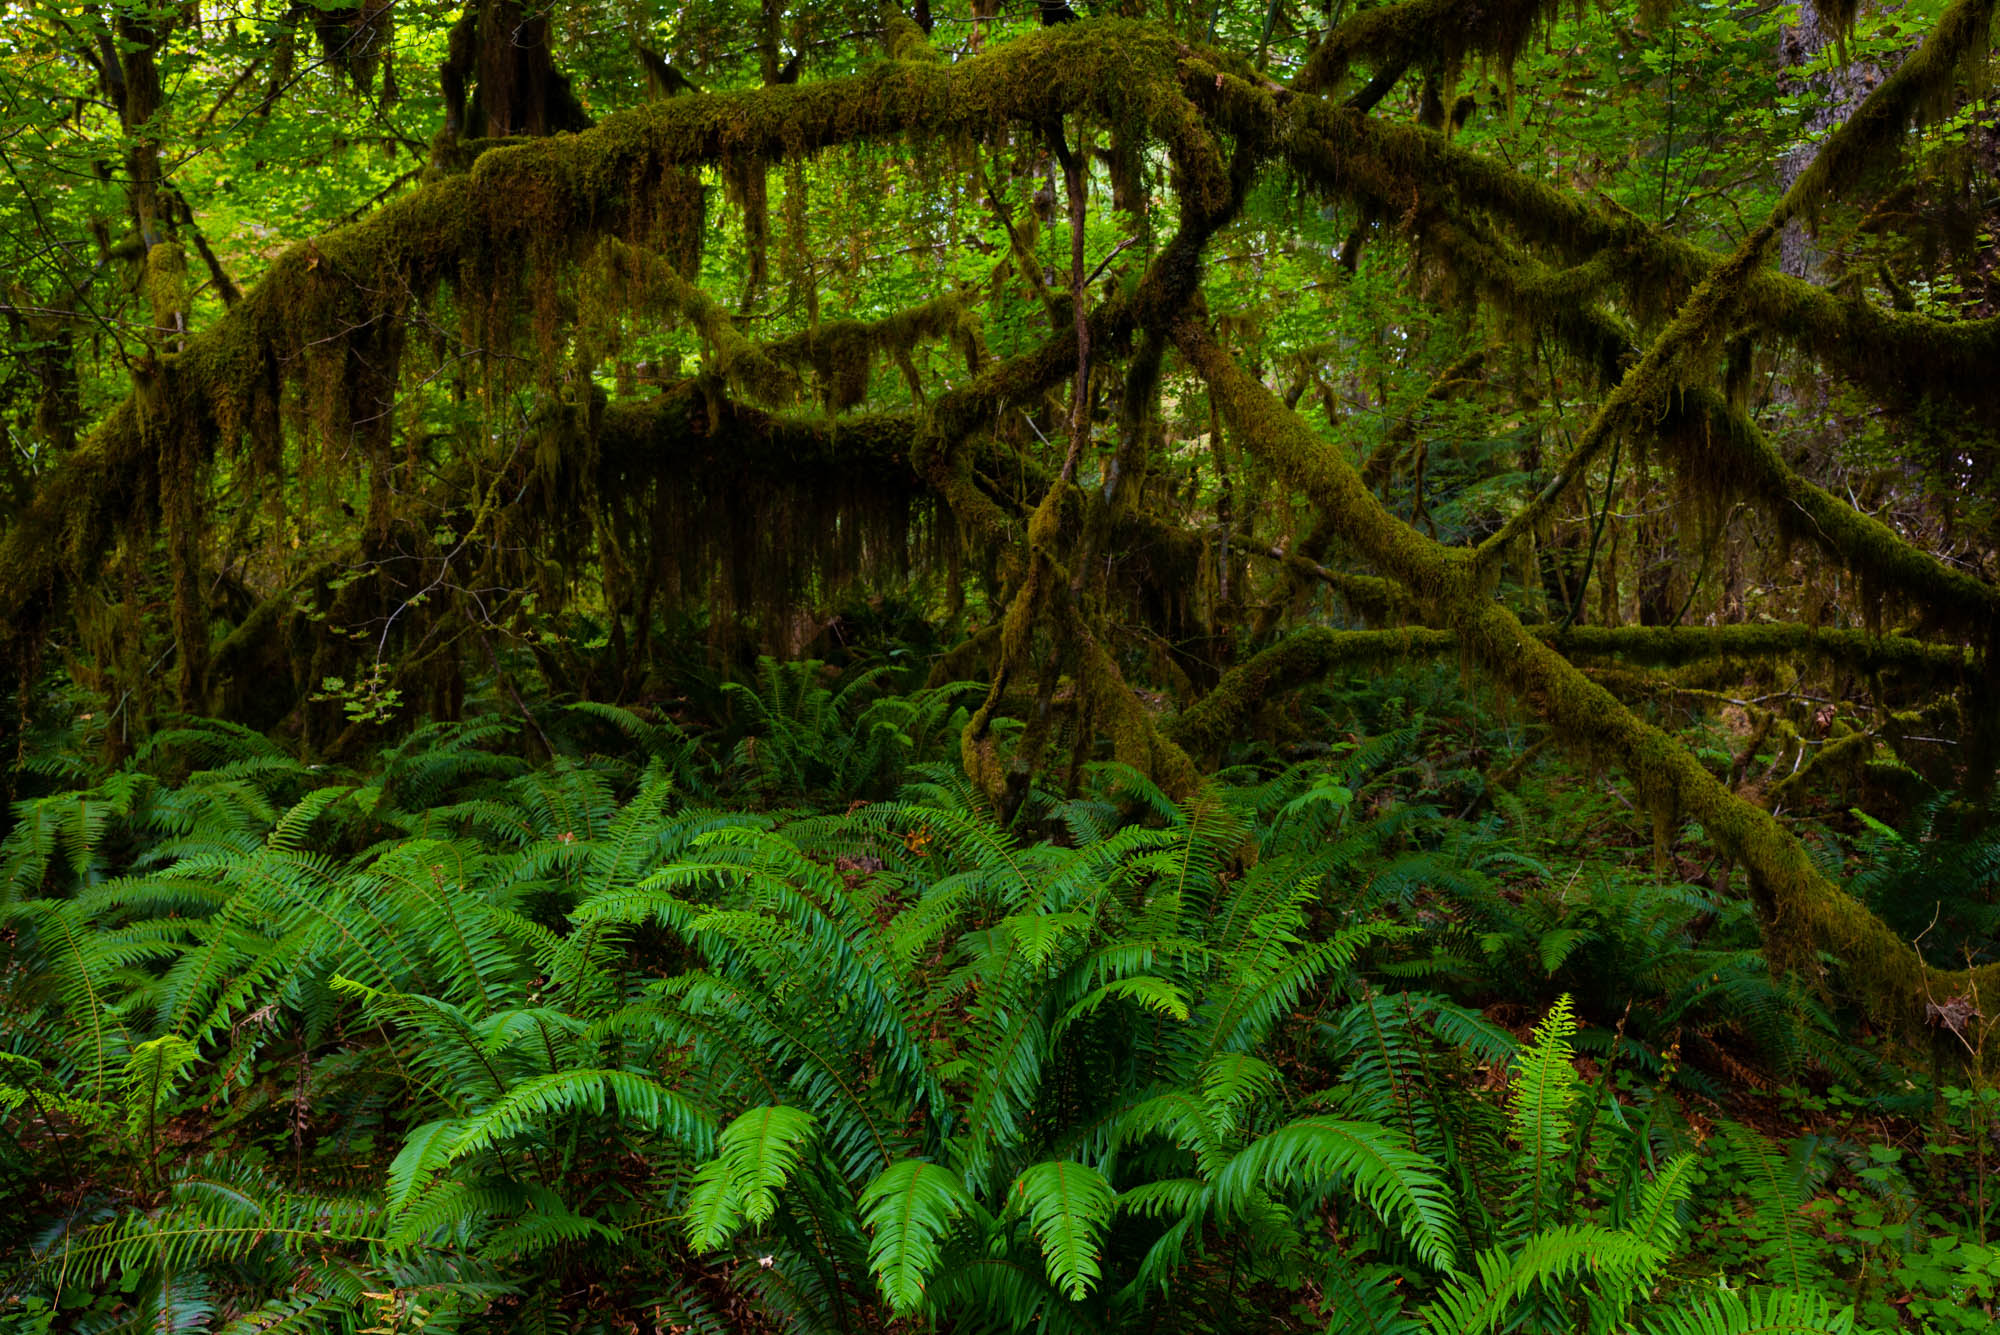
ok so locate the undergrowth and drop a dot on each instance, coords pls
(621, 1025)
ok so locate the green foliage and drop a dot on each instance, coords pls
(1069, 1206)
(908, 1209)
(756, 1154)
(805, 730)
(298, 1040)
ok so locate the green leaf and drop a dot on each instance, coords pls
(1780, 1312)
(426, 1149)
(1069, 1206)
(908, 1208)
(1501, 1277)
(1545, 1088)
(757, 1153)
(1404, 1187)
(150, 1075)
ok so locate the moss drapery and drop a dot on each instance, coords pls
(307, 358)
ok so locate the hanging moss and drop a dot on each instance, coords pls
(843, 353)
(1920, 88)
(758, 515)
(1903, 356)
(1437, 34)
(1803, 913)
(627, 280)
(513, 225)
(1720, 449)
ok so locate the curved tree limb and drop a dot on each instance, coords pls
(1802, 912)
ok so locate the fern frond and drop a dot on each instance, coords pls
(531, 1104)
(1069, 1206)
(1403, 1187)
(1777, 1312)
(908, 1208)
(1776, 1192)
(757, 1152)
(1544, 1093)
(1365, 1300)
(1484, 1299)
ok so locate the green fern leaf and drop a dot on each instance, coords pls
(757, 1153)
(1657, 1220)
(1365, 1300)
(425, 1151)
(539, 1101)
(1777, 1195)
(1155, 994)
(150, 1075)
(1485, 1299)
(1780, 1312)
(1545, 1089)
(1402, 1186)
(1069, 1206)
(908, 1208)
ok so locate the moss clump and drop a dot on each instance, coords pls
(843, 353)
(1434, 35)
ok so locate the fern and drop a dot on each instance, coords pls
(1500, 1279)
(1779, 1312)
(757, 1152)
(1776, 1191)
(1544, 1094)
(908, 1209)
(1069, 1205)
(1400, 1185)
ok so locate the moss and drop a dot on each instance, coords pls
(842, 353)
(1437, 34)
(1853, 649)
(1678, 355)
(1841, 756)
(902, 39)
(1435, 578)
(1719, 449)
(1803, 914)
(1301, 657)
(758, 514)
(1919, 88)
(1135, 739)
(1900, 356)
(166, 289)
(629, 280)
(1311, 653)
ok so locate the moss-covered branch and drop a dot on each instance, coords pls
(1897, 355)
(1300, 658)
(519, 215)
(1803, 913)
(1716, 441)
(1431, 33)
(1682, 353)
(1312, 652)
(1666, 646)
